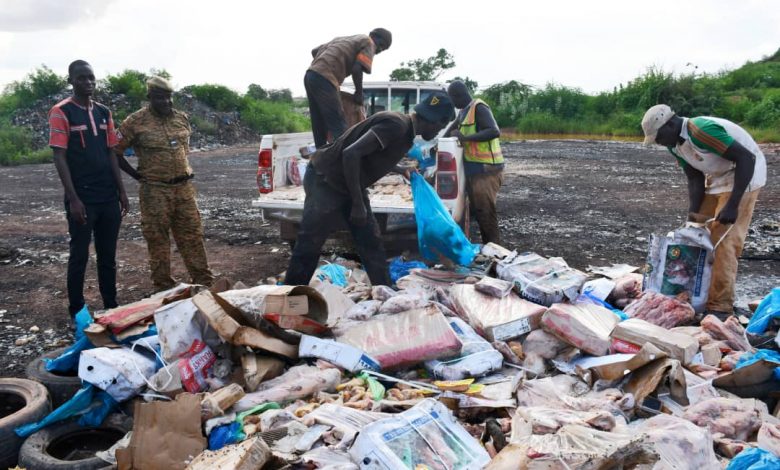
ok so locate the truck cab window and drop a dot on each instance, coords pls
(375, 101)
(403, 100)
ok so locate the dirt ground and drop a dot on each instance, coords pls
(590, 202)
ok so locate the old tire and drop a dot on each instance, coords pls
(22, 401)
(61, 387)
(71, 446)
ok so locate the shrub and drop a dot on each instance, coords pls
(218, 97)
(40, 83)
(205, 126)
(130, 83)
(267, 117)
(16, 147)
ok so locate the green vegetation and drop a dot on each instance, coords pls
(424, 69)
(749, 95)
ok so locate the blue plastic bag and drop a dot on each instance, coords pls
(400, 268)
(422, 152)
(224, 435)
(77, 404)
(754, 458)
(336, 274)
(103, 404)
(587, 297)
(749, 358)
(437, 233)
(68, 361)
(768, 309)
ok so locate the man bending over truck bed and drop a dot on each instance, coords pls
(332, 62)
(337, 178)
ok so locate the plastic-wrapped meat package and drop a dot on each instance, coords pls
(477, 358)
(382, 293)
(660, 310)
(541, 280)
(497, 319)
(363, 310)
(404, 339)
(729, 331)
(297, 383)
(584, 326)
(545, 420)
(565, 392)
(543, 344)
(627, 288)
(573, 447)
(769, 437)
(403, 302)
(681, 444)
(493, 287)
(734, 418)
(426, 436)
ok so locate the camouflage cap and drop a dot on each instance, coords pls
(158, 83)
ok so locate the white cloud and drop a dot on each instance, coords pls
(41, 15)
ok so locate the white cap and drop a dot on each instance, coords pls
(654, 119)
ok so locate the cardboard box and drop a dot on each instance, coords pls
(282, 300)
(629, 336)
(497, 319)
(343, 355)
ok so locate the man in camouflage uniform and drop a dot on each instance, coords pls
(160, 137)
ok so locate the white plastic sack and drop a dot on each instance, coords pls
(179, 324)
(681, 262)
(119, 371)
(542, 280)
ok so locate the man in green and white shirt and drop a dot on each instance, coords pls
(726, 170)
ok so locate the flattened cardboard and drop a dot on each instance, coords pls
(224, 324)
(753, 374)
(616, 366)
(250, 454)
(165, 435)
(646, 380)
(629, 335)
(257, 369)
(256, 339)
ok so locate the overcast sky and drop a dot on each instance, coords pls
(593, 45)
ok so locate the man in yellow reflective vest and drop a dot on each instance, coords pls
(483, 163)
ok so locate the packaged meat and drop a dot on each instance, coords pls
(497, 319)
(426, 436)
(477, 358)
(404, 302)
(404, 339)
(629, 336)
(546, 420)
(680, 263)
(363, 310)
(660, 310)
(734, 418)
(382, 293)
(287, 306)
(729, 331)
(492, 250)
(769, 437)
(297, 383)
(680, 444)
(544, 281)
(494, 287)
(627, 288)
(584, 326)
(544, 344)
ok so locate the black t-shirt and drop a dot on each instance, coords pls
(395, 134)
(87, 134)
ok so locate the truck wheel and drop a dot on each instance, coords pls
(71, 446)
(61, 387)
(22, 401)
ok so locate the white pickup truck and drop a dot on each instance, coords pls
(280, 158)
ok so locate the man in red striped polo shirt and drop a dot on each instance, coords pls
(81, 136)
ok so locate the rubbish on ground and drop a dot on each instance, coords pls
(754, 459)
(400, 268)
(492, 250)
(584, 326)
(626, 289)
(216, 403)
(477, 357)
(300, 308)
(498, 319)
(678, 264)
(120, 318)
(404, 339)
(628, 336)
(343, 355)
(426, 435)
(120, 372)
(660, 310)
(614, 272)
(544, 281)
(166, 434)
